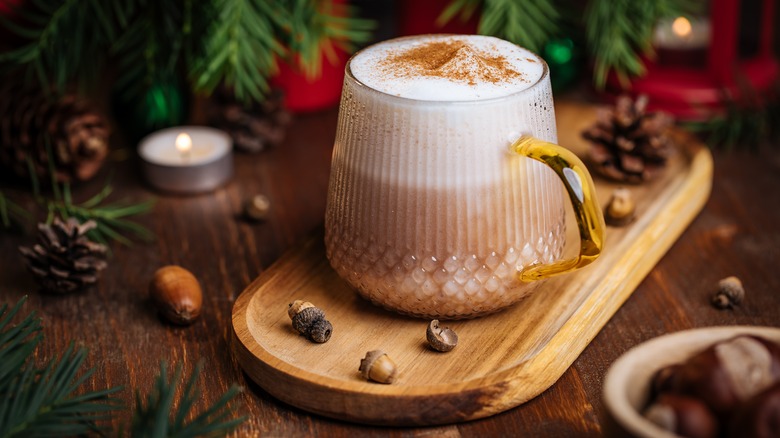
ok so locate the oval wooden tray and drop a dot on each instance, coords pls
(502, 360)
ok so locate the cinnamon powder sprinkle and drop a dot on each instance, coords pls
(450, 59)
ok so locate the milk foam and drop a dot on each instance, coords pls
(478, 78)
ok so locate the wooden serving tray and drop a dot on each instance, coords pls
(502, 360)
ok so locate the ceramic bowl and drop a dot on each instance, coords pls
(627, 383)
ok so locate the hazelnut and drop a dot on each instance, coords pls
(760, 416)
(257, 208)
(309, 321)
(620, 209)
(730, 293)
(176, 294)
(728, 373)
(378, 366)
(684, 416)
(665, 379)
(441, 339)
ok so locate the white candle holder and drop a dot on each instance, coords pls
(173, 164)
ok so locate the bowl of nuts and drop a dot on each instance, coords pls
(700, 383)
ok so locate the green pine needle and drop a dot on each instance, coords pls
(64, 40)
(750, 122)
(11, 213)
(44, 401)
(111, 219)
(529, 23)
(620, 31)
(240, 48)
(165, 410)
(17, 342)
(318, 27)
(49, 402)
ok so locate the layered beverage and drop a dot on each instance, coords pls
(429, 213)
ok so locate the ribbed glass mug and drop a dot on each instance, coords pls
(453, 209)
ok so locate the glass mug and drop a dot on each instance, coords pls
(453, 209)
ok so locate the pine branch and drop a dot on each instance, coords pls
(17, 343)
(165, 410)
(619, 32)
(111, 219)
(151, 47)
(318, 27)
(529, 23)
(65, 40)
(240, 47)
(11, 213)
(43, 401)
(749, 122)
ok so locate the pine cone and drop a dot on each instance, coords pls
(76, 134)
(628, 144)
(253, 126)
(65, 260)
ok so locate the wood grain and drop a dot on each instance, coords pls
(735, 234)
(502, 360)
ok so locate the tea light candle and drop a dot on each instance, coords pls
(187, 159)
(682, 34)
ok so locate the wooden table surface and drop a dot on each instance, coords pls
(737, 233)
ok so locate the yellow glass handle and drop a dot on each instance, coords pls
(582, 193)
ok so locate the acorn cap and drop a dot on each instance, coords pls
(441, 339)
(303, 320)
(296, 306)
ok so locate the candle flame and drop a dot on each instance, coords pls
(681, 27)
(183, 143)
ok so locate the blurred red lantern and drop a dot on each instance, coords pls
(694, 92)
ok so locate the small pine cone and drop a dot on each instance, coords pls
(627, 143)
(65, 260)
(253, 126)
(36, 128)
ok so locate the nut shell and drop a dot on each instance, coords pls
(730, 293)
(378, 366)
(441, 339)
(177, 294)
(621, 209)
(257, 208)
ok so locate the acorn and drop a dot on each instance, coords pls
(620, 209)
(378, 366)
(730, 293)
(309, 321)
(177, 294)
(441, 339)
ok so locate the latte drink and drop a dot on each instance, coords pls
(429, 212)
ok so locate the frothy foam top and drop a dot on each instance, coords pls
(447, 67)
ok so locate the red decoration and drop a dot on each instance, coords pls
(304, 94)
(417, 17)
(694, 93)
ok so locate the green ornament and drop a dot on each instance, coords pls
(162, 105)
(562, 57)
